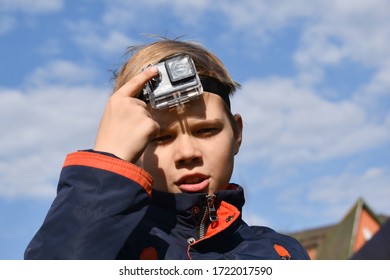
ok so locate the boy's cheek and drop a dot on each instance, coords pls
(149, 159)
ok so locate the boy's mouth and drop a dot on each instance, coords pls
(193, 183)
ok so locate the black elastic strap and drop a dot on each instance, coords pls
(213, 85)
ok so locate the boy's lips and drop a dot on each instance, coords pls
(193, 183)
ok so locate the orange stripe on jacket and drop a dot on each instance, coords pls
(115, 165)
(282, 251)
(227, 214)
(149, 253)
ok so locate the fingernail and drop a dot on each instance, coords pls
(153, 69)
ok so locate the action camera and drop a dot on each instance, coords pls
(177, 82)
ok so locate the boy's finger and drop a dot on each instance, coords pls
(133, 87)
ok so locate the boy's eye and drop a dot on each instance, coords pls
(208, 131)
(162, 139)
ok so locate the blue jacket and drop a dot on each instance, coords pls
(105, 209)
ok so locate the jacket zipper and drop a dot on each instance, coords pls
(208, 212)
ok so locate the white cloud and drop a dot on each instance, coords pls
(60, 72)
(42, 125)
(375, 94)
(338, 193)
(31, 6)
(285, 123)
(109, 34)
(88, 36)
(7, 23)
(10, 8)
(331, 30)
(51, 47)
(112, 42)
(126, 12)
(253, 219)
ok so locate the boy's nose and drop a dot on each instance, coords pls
(186, 150)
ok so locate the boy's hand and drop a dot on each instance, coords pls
(126, 126)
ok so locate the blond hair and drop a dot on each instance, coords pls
(206, 63)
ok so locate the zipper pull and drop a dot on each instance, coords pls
(211, 208)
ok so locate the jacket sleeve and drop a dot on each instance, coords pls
(100, 200)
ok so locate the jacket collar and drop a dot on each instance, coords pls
(184, 203)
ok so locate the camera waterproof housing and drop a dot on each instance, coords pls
(177, 82)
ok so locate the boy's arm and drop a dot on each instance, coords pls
(100, 201)
(102, 198)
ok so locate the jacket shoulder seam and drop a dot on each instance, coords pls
(111, 164)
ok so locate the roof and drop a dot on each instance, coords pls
(312, 237)
(335, 242)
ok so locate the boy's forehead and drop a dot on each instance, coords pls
(206, 106)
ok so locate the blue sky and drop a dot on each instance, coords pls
(315, 98)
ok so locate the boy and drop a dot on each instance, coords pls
(156, 185)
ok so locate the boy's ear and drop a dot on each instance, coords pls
(238, 133)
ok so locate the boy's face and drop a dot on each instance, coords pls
(195, 149)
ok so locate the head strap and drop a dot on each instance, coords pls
(209, 84)
(213, 85)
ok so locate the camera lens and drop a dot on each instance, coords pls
(180, 68)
